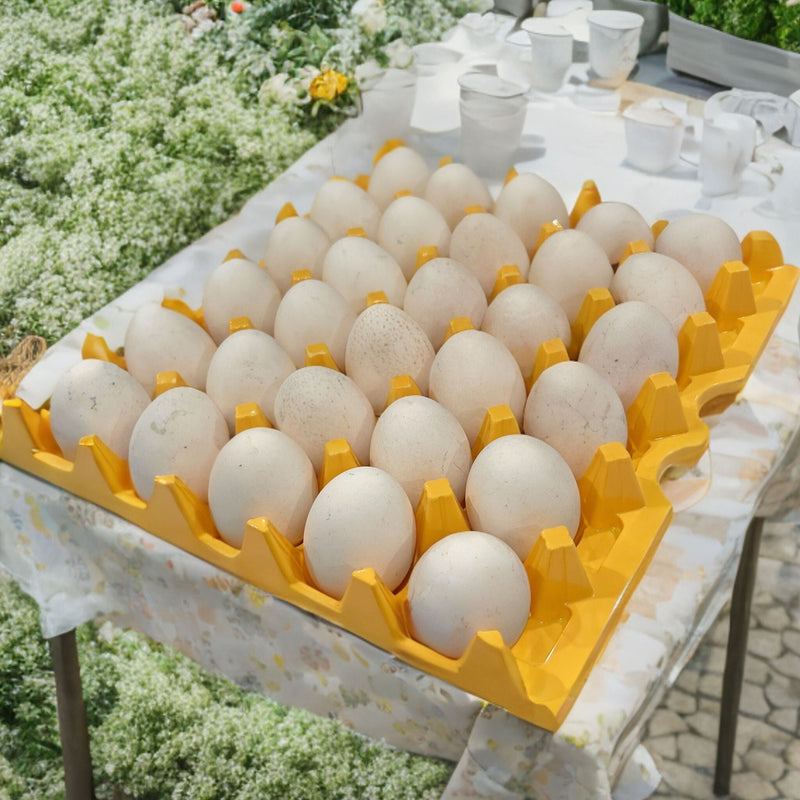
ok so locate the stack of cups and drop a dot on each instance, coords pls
(492, 117)
(388, 104)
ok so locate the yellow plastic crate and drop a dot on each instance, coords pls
(579, 588)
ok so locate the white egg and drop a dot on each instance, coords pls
(466, 583)
(629, 343)
(315, 405)
(179, 433)
(527, 202)
(416, 440)
(384, 343)
(313, 312)
(567, 265)
(401, 169)
(355, 267)
(455, 187)
(361, 519)
(248, 367)
(483, 243)
(519, 486)
(261, 472)
(614, 226)
(239, 288)
(408, 224)
(522, 317)
(161, 340)
(473, 372)
(441, 290)
(661, 281)
(96, 397)
(574, 410)
(340, 206)
(295, 243)
(702, 243)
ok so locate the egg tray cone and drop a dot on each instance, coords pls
(579, 587)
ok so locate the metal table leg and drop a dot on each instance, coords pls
(72, 725)
(741, 600)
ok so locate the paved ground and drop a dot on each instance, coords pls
(682, 734)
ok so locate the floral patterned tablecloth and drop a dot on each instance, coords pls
(80, 562)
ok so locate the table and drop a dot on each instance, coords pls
(80, 562)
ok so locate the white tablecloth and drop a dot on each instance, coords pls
(80, 562)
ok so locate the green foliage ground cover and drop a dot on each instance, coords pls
(773, 22)
(162, 729)
(123, 138)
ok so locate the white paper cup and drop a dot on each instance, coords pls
(388, 104)
(613, 45)
(653, 137)
(725, 150)
(431, 57)
(551, 53)
(492, 117)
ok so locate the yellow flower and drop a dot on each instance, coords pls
(328, 85)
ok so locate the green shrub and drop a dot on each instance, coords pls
(774, 22)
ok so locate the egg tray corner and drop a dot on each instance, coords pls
(579, 588)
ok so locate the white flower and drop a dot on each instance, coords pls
(371, 15)
(279, 88)
(399, 53)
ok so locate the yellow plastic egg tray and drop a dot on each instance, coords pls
(579, 587)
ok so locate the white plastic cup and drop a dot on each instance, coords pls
(725, 151)
(653, 137)
(492, 117)
(613, 45)
(551, 53)
(388, 104)
(515, 63)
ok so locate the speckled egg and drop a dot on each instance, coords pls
(483, 243)
(519, 486)
(627, 344)
(239, 288)
(355, 267)
(315, 405)
(527, 202)
(261, 472)
(180, 433)
(661, 281)
(416, 440)
(567, 265)
(160, 340)
(295, 243)
(96, 397)
(574, 410)
(384, 343)
(702, 243)
(440, 291)
(473, 372)
(524, 316)
(408, 224)
(361, 519)
(614, 226)
(248, 367)
(313, 312)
